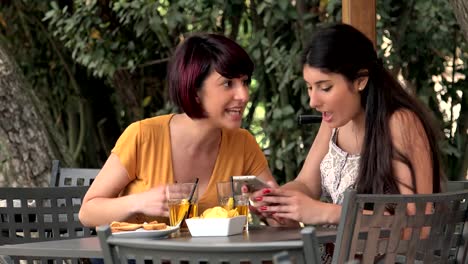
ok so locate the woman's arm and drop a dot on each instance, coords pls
(102, 204)
(409, 139)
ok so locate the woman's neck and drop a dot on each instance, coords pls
(358, 124)
(195, 135)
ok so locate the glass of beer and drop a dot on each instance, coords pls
(229, 200)
(181, 205)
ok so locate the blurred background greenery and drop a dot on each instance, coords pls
(95, 66)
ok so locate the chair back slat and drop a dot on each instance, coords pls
(348, 239)
(457, 185)
(311, 245)
(33, 214)
(71, 176)
(462, 252)
(434, 232)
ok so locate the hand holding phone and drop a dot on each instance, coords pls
(253, 182)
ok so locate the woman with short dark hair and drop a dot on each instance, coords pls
(209, 77)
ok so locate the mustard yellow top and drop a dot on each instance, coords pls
(144, 149)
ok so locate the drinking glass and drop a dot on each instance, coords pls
(178, 197)
(228, 201)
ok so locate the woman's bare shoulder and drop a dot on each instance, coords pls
(407, 132)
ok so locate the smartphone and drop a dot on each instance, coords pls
(253, 182)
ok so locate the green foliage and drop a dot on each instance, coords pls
(126, 44)
(106, 38)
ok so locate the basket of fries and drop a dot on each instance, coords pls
(217, 221)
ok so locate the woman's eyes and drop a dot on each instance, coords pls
(227, 83)
(326, 88)
(322, 88)
(230, 83)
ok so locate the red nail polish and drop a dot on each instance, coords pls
(259, 198)
(263, 208)
(266, 191)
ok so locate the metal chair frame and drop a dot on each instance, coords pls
(121, 250)
(33, 214)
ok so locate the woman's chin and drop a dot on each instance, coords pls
(232, 124)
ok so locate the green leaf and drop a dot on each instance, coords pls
(277, 114)
(146, 101)
(283, 4)
(288, 110)
(279, 164)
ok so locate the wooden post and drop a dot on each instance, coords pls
(360, 14)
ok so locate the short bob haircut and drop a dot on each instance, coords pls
(197, 57)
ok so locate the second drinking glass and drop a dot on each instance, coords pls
(229, 201)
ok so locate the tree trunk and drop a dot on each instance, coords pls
(25, 150)
(460, 9)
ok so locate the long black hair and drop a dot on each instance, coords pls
(342, 49)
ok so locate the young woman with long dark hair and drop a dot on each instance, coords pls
(375, 136)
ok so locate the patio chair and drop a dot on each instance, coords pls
(311, 249)
(124, 250)
(376, 235)
(71, 176)
(33, 214)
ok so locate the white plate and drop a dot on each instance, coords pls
(142, 233)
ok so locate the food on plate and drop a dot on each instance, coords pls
(123, 226)
(126, 226)
(154, 226)
(219, 212)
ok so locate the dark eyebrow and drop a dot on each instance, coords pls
(321, 81)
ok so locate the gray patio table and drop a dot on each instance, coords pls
(89, 247)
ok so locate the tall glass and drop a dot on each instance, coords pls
(178, 197)
(228, 201)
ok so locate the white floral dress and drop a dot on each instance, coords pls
(338, 170)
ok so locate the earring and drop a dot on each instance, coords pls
(361, 88)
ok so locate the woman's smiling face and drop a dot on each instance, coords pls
(333, 95)
(224, 99)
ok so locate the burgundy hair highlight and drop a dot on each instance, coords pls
(197, 57)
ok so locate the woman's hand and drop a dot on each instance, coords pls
(153, 202)
(285, 205)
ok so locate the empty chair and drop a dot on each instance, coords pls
(36, 214)
(117, 249)
(71, 176)
(376, 234)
